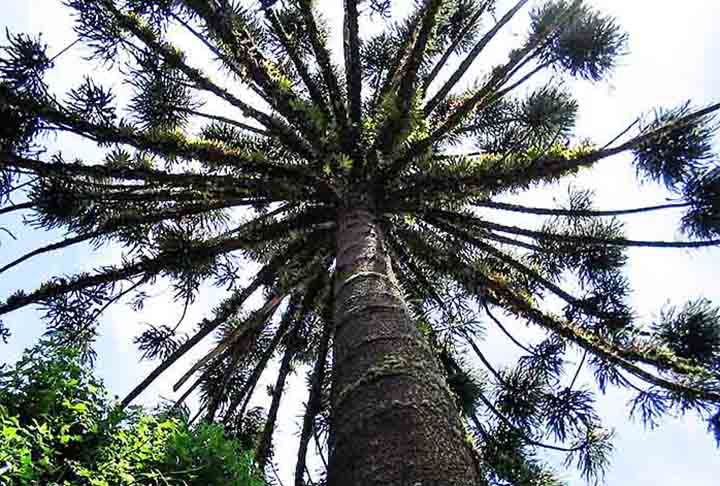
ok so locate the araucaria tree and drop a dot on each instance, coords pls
(372, 190)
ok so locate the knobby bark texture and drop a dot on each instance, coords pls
(394, 421)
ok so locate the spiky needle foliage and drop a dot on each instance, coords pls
(382, 132)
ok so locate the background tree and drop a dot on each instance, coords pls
(58, 427)
(372, 189)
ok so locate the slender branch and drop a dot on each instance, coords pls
(621, 134)
(250, 383)
(625, 358)
(406, 78)
(522, 434)
(216, 399)
(471, 57)
(524, 269)
(115, 224)
(502, 417)
(17, 188)
(255, 321)
(17, 207)
(300, 66)
(504, 330)
(540, 235)
(504, 92)
(314, 401)
(223, 119)
(190, 390)
(237, 70)
(168, 145)
(574, 212)
(319, 449)
(262, 452)
(483, 359)
(238, 37)
(579, 368)
(229, 308)
(472, 103)
(8, 232)
(64, 50)
(275, 473)
(454, 45)
(602, 241)
(511, 241)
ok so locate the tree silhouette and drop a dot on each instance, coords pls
(372, 192)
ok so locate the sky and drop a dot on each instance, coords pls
(674, 49)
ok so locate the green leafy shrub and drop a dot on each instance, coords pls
(58, 427)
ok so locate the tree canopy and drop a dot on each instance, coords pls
(393, 129)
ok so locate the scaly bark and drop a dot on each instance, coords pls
(394, 421)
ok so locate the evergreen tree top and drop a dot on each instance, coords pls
(394, 128)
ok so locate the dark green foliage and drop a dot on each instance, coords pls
(512, 463)
(714, 427)
(161, 96)
(98, 28)
(703, 193)
(24, 63)
(93, 103)
(681, 150)
(157, 342)
(692, 331)
(464, 385)
(17, 131)
(590, 454)
(569, 413)
(583, 41)
(549, 113)
(545, 117)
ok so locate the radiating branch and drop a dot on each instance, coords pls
(175, 58)
(17, 207)
(314, 401)
(229, 308)
(504, 329)
(237, 36)
(471, 57)
(353, 65)
(451, 49)
(322, 55)
(314, 90)
(576, 212)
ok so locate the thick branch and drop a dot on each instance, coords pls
(353, 64)
(625, 358)
(323, 58)
(406, 78)
(300, 65)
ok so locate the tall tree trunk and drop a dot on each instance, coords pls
(394, 422)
